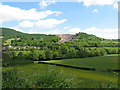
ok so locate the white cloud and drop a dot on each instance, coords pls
(26, 24)
(8, 13)
(74, 30)
(115, 5)
(95, 11)
(56, 31)
(107, 33)
(49, 23)
(33, 31)
(67, 27)
(44, 3)
(98, 2)
(17, 28)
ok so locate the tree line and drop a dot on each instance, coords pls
(62, 52)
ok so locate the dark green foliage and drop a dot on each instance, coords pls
(53, 79)
(85, 36)
(38, 55)
(85, 46)
(18, 78)
(14, 58)
(112, 50)
(56, 55)
(12, 79)
(63, 52)
(49, 54)
(50, 41)
(10, 33)
(15, 78)
(28, 39)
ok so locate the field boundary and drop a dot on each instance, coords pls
(82, 68)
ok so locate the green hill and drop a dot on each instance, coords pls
(8, 33)
(47, 47)
(16, 38)
(86, 36)
(26, 39)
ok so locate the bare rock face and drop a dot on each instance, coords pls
(65, 37)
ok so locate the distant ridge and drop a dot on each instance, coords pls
(8, 33)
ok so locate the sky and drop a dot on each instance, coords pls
(98, 17)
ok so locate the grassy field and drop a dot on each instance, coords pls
(86, 79)
(51, 76)
(99, 63)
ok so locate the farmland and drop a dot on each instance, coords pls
(99, 63)
(74, 78)
(78, 77)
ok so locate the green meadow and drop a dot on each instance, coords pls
(99, 63)
(78, 77)
(47, 76)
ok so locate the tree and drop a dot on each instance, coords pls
(42, 55)
(49, 54)
(72, 53)
(14, 54)
(81, 51)
(21, 55)
(56, 55)
(35, 55)
(64, 51)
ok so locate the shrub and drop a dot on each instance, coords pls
(15, 78)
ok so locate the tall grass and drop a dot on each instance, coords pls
(19, 79)
(16, 78)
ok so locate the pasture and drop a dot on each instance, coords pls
(36, 75)
(99, 63)
(77, 78)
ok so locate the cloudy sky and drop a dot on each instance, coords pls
(98, 17)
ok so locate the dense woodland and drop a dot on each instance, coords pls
(83, 45)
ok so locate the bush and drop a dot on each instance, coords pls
(52, 79)
(15, 78)
(112, 50)
(18, 78)
(11, 79)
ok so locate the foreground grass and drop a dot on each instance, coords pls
(32, 74)
(99, 63)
